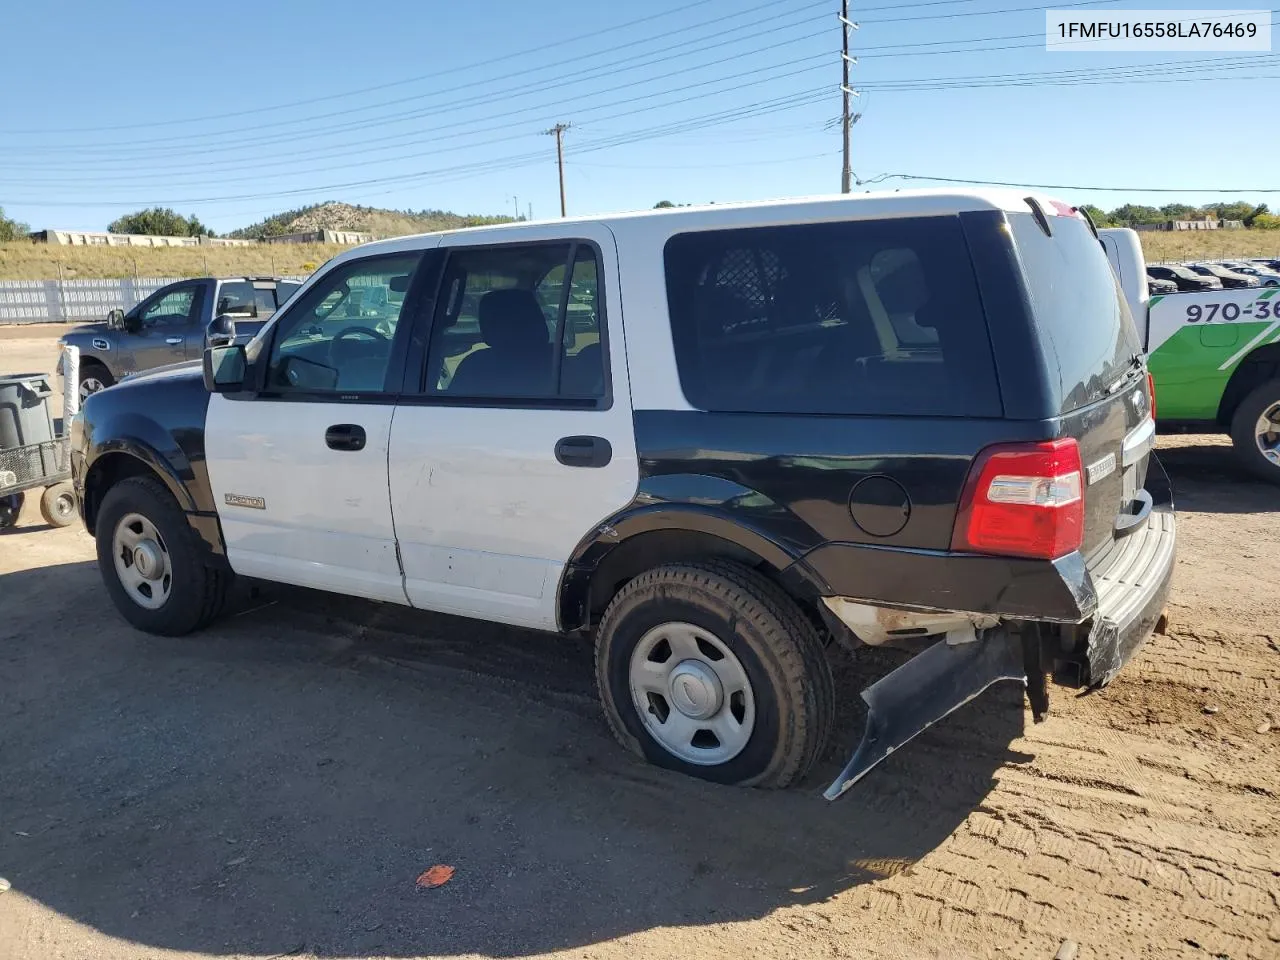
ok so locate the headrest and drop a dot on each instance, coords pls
(512, 320)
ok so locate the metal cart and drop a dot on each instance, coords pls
(46, 464)
(36, 465)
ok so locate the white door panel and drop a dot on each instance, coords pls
(485, 514)
(325, 517)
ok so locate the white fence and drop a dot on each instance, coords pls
(54, 301)
(63, 301)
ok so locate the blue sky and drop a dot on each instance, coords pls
(110, 107)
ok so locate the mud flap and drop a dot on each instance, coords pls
(923, 691)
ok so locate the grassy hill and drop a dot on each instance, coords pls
(22, 260)
(345, 216)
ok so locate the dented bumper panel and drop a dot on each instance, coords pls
(923, 691)
(1128, 589)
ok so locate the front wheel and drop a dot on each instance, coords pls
(94, 377)
(711, 670)
(1255, 431)
(151, 562)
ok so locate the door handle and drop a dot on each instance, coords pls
(345, 436)
(584, 451)
(174, 340)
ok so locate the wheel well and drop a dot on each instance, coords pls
(658, 547)
(106, 472)
(1258, 367)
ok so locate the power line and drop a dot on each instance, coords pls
(587, 72)
(735, 83)
(138, 150)
(1058, 186)
(251, 111)
(794, 100)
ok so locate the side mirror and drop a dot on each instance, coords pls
(221, 330)
(115, 319)
(131, 323)
(225, 368)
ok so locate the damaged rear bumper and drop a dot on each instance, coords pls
(1128, 589)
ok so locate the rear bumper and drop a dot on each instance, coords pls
(1132, 587)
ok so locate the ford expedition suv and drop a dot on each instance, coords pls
(726, 443)
(171, 325)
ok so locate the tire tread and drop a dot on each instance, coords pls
(793, 646)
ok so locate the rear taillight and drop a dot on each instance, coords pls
(1151, 393)
(1023, 500)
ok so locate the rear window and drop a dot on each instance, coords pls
(1077, 304)
(877, 317)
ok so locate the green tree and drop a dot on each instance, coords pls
(1266, 221)
(1178, 211)
(1097, 215)
(1135, 213)
(663, 205)
(160, 221)
(12, 229)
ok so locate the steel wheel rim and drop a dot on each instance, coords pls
(90, 385)
(692, 694)
(142, 561)
(1266, 434)
(64, 504)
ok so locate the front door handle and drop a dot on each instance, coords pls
(174, 341)
(584, 451)
(345, 436)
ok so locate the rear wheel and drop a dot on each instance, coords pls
(151, 563)
(94, 377)
(1255, 431)
(58, 504)
(711, 670)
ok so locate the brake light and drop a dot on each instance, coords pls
(1023, 500)
(1151, 393)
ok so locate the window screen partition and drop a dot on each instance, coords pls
(875, 317)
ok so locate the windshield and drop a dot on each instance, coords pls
(1077, 304)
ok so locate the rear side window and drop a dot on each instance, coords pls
(867, 317)
(1077, 304)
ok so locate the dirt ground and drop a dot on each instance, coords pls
(273, 786)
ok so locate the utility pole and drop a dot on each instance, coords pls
(846, 121)
(558, 131)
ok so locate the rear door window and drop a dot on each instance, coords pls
(1077, 304)
(877, 317)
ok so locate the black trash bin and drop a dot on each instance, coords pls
(25, 418)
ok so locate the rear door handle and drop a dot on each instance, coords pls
(345, 436)
(174, 340)
(584, 451)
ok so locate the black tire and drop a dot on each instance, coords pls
(58, 504)
(1244, 433)
(10, 508)
(94, 371)
(776, 644)
(197, 592)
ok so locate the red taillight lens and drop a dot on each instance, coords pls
(1023, 500)
(1151, 394)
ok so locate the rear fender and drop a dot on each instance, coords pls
(685, 517)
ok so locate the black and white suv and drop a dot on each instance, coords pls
(716, 439)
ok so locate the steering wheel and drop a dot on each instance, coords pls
(351, 332)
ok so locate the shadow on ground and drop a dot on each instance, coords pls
(1210, 479)
(279, 781)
